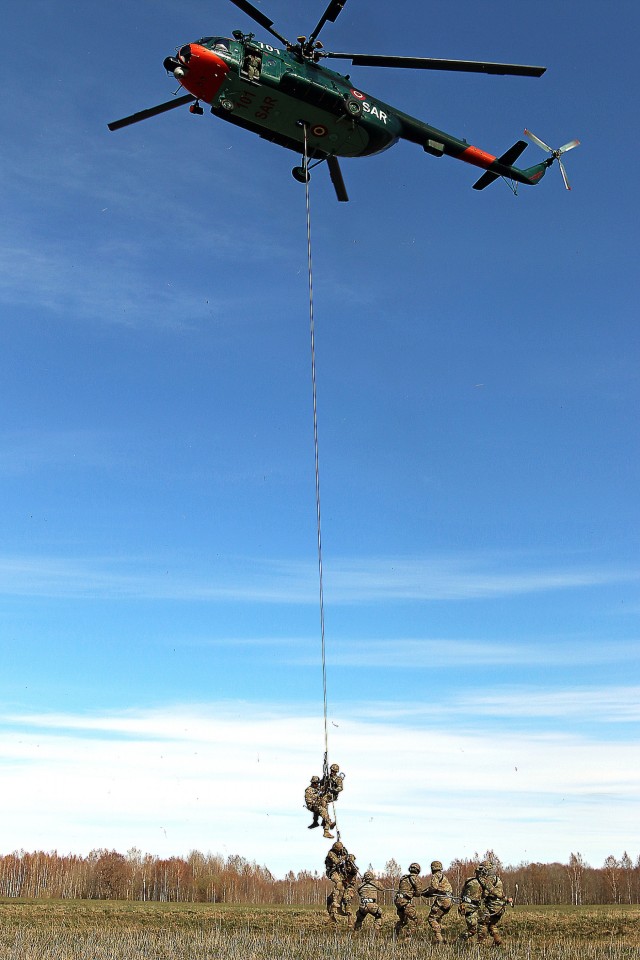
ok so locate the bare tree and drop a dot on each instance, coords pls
(612, 874)
(575, 870)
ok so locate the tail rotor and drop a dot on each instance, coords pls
(555, 154)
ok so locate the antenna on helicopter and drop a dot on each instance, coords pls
(555, 154)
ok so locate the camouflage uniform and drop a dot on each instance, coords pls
(494, 902)
(471, 908)
(368, 893)
(334, 869)
(408, 888)
(350, 874)
(440, 888)
(316, 801)
(483, 904)
(252, 66)
(333, 784)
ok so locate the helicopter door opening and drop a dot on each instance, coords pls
(251, 65)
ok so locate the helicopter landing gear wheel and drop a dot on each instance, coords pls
(227, 104)
(301, 175)
(353, 107)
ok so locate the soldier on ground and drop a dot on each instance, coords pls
(408, 888)
(494, 900)
(439, 888)
(483, 904)
(316, 801)
(334, 868)
(350, 873)
(470, 908)
(369, 906)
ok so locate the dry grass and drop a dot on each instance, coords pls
(106, 930)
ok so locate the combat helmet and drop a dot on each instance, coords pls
(414, 868)
(435, 866)
(334, 768)
(368, 875)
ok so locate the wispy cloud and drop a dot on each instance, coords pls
(230, 777)
(253, 580)
(594, 706)
(607, 704)
(462, 578)
(426, 652)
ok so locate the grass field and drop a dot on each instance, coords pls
(115, 930)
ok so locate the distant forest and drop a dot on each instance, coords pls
(211, 878)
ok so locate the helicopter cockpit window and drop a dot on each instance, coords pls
(215, 43)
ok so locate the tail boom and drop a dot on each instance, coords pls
(438, 143)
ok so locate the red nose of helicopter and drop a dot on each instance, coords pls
(200, 71)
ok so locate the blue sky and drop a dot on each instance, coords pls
(477, 402)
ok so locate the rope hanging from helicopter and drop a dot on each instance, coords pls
(325, 763)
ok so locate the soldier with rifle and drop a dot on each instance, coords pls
(494, 901)
(408, 888)
(482, 904)
(350, 874)
(439, 888)
(335, 870)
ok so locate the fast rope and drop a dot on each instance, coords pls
(325, 767)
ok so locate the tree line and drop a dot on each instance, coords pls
(212, 878)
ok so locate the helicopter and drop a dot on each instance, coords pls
(288, 97)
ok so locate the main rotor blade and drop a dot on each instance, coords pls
(564, 173)
(259, 18)
(336, 178)
(427, 63)
(151, 112)
(330, 14)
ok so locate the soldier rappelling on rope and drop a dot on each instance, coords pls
(320, 793)
(333, 782)
(316, 800)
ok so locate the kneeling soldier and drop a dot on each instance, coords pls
(368, 893)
